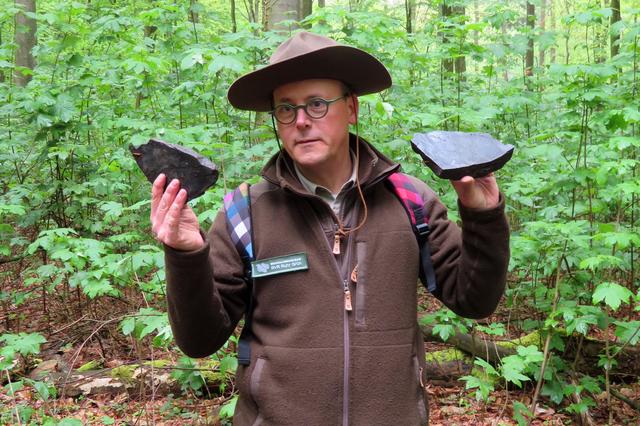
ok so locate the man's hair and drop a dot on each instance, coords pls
(346, 90)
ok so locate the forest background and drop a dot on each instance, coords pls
(81, 278)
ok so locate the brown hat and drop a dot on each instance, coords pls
(305, 56)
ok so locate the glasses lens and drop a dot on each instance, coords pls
(284, 113)
(317, 108)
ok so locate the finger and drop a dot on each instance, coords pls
(156, 193)
(166, 201)
(172, 220)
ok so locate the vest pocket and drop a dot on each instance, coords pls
(361, 288)
(255, 383)
(422, 401)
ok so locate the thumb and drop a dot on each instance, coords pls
(468, 193)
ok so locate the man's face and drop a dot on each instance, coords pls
(315, 143)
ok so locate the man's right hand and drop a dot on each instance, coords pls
(172, 220)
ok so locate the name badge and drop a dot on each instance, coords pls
(279, 265)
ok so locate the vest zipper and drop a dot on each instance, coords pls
(345, 328)
(347, 297)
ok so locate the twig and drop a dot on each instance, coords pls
(630, 402)
(75, 356)
(13, 395)
(547, 341)
(69, 325)
(584, 418)
(12, 259)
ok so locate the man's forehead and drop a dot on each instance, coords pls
(308, 87)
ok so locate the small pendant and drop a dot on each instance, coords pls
(336, 244)
(354, 275)
(347, 301)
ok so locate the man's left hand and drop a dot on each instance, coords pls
(477, 193)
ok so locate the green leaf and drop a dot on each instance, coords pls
(23, 343)
(613, 294)
(113, 209)
(628, 332)
(45, 390)
(521, 413)
(15, 209)
(483, 387)
(64, 108)
(106, 420)
(70, 421)
(190, 60)
(227, 410)
(554, 390)
(512, 369)
(488, 368)
(225, 62)
(530, 353)
(228, 363)
(93, 287)
(13, 387)
(128, 325)
(444, 331)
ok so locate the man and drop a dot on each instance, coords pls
(337, 342)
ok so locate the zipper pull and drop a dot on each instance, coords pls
(354, 274)
(347, 297)
(336, 244)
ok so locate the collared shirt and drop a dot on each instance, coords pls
(334, 200)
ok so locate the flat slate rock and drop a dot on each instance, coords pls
(195, 172)
(453, 155)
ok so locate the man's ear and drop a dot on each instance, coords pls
(353, 106)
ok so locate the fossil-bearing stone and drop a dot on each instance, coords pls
(195, 172)
(453, 155)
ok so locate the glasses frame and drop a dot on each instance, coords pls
(304, 107)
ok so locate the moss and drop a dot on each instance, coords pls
(91, 365)
(447, 355)
(158, 363)
(534, 338)
(124, 373)
(210, 371)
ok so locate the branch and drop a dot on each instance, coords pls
(12, 259)
(630, 402)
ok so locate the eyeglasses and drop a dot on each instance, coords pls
(314, 108)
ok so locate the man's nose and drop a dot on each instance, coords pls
(302, 119)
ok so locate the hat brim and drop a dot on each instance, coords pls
(359, 70)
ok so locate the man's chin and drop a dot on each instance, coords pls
(309, 161)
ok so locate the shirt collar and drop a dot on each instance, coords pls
(314, 188)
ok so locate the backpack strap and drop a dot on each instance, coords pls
(237, 207)
(414, 206)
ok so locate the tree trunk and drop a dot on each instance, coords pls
(280, 10)
(542, 25)
(193, 11)
(615, 17)
(409, 8)
(552, 26)
(476, 19)
(306, 8)
(1, 72)
(25, 38)
(234, 22)
(531, 23)
(446, 12)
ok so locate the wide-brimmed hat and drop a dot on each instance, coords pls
(305, 56)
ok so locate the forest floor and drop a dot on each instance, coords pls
(79, 330)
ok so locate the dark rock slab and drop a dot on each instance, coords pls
(453, 155)
(195, 172)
